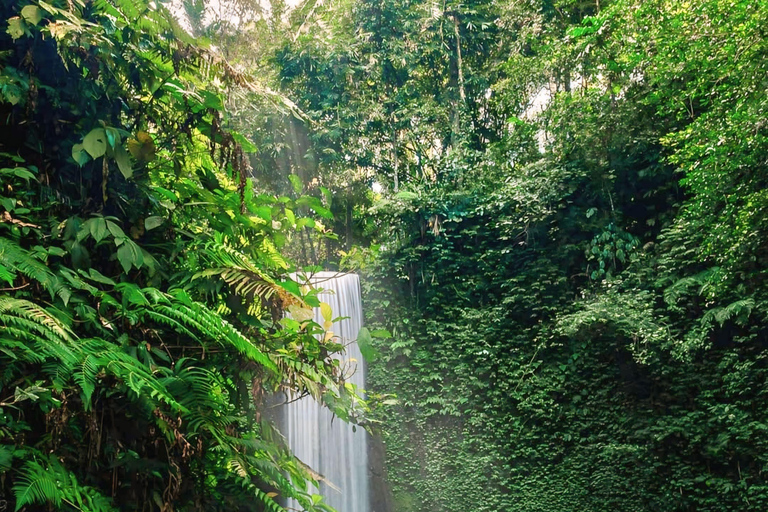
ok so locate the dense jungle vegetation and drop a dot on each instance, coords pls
(559, 210)
(143, 283)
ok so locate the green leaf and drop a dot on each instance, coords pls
(116, 231)
(133, 294)
(95, 143)
(326, 311)
(264, 212)
(16, 27)
(7, 275)
(125, 257)
(290, 216)
(305, 221)
(291, 286)
(32, 14)
(153, 222)
(113, 137)
(247, 145)
(37, 484)
(123, 162)
(24, 173)
(212, 100)
(97, 276)
(79, 155)
(168, 194)
(296, 182)
(8, 203)
(98, 228)
(6, 456)
(316, 205)
(137, 256)
(365, 342)
(406, 196)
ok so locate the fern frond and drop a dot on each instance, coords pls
(35, 484)
(6, 457)
(85, 377)
(740, 309)
(138, 378)
(196, 317)
(246, 484)
(47, 481)
(14, 258)
(30, 315)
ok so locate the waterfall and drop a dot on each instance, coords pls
(327, 444)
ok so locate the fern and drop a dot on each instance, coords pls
(241, 273)
(194, 317)
(25, 313)
(15, 259)
(35, 484)
(740, 309)
(245, 483)
(44, 480)
(137, 378)
(85, 377)
(6, 457)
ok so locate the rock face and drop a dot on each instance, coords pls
(381, 497)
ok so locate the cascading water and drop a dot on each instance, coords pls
(328, 445)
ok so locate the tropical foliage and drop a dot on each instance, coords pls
(143, 280)
(558, 208)
(569, 248)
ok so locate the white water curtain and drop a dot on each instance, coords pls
(327, 444)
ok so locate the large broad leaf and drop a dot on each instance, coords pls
(98, 228)
(246, 144)
(116, 231)
(305, 222)
(291, 286)
(290, 216)
(365, 342)
(315, 204)
(123, 162)
(327, 313)
(95, 143)
(79, 155)
(299, 313)
(32, 14)
(153, 222)
(129, 254)
(113, 137)
(212, 100)
(125, 257)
